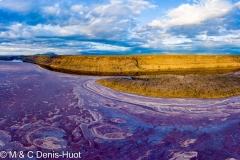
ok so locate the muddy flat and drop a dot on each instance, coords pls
(178, 86)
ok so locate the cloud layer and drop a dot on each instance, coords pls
(114, 27)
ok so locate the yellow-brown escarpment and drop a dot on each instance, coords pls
(137, 65)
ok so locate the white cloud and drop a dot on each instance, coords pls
(157, 23)
(76, 8)
(106, 47)
(138, 5)
(231, 38)
(30, 49)
(52, 10)
(176, 40)
(115, 8)
(16, 30)
(17, 6)
(237, 4)
(196, 13)
(112, 21)
(123, 7)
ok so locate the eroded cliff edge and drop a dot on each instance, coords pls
(137, 65)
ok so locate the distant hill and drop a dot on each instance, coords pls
(6, 58)
(47, 54)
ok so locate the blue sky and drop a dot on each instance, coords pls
(119, 26)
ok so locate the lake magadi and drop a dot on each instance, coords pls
(49, 112)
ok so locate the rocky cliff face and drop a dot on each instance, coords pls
(137, 65)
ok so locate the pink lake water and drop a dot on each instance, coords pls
(51, 112)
